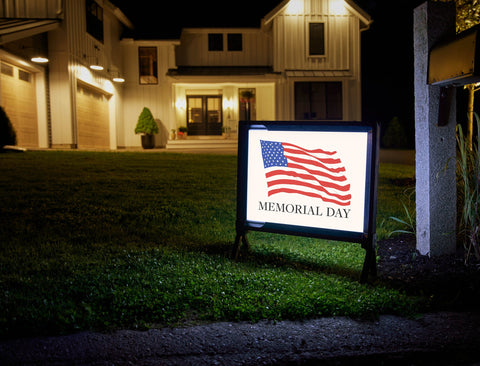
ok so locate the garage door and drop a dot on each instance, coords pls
(19, 102)
(92, 119)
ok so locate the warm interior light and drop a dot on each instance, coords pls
(39, 59)
(96, 67)
(118, 79)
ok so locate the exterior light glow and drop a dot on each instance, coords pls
(337, 7)
(96, 67)
(118, 79)
(39, 59)
(294, 7)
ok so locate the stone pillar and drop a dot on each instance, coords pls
(434, 144)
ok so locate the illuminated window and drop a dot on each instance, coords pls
(215, 42)
(94, 20)
(147, 65)
(316, 46)
(235, 42)
(318, 101)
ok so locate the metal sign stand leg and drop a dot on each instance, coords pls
(241, 243)
(370, 263)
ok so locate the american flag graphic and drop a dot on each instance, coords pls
(314, 173)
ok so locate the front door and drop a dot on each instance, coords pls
(204, 115)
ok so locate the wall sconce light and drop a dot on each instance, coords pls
(96, 64)
(117, 77)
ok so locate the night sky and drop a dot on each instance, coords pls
(387, 47)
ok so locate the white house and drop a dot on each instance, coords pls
(303, 63)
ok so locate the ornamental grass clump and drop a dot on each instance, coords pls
(468, 170)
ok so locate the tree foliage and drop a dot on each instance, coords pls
(468, 13)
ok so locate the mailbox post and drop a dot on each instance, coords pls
(435, 144)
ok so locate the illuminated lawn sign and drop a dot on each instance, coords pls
(311, 179)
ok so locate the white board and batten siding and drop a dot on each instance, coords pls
(73, 49)
(341, 62)
(193, 48)
(157, 97)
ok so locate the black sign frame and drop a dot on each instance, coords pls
(367, 238)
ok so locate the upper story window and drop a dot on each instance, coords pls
(235, 42)
(147, 65)
(94, 19)
(316, 44)
(215, 42)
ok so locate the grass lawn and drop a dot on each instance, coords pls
(99, 241)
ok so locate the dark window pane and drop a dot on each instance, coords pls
(94, 18)
(317, 39)
(318, 101)
(147, 65)
(334, 101)
(215, 42)
(235, 42)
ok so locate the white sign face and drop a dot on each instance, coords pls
(307, 178)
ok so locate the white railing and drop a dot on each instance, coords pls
(31, 9)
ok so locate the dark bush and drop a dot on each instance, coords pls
(7, 132)
(394, 136)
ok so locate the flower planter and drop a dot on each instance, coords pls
(148, 141)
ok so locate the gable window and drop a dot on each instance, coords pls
(235, 42)
(318, 101)
(316, 45)
(215, 42)
(94, 19)
(147, 65)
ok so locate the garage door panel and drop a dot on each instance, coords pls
(92, 119)
(19, 101)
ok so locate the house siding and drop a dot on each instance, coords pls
(193, 48)
(72, 50)
(156, 97)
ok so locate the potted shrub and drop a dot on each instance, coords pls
(148, 127)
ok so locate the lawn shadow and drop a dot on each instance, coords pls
(275, 259)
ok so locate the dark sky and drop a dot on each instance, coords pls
(387, 47)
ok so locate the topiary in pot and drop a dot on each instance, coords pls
(146, 124)
(8, 135)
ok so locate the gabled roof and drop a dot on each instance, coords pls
(365, 19)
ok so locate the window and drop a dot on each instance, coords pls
(24, 75)
(7, 69)
(234, 41)
(94, 20)
(147, 65)
(318, 101)
(316, 46)
(215, 42)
